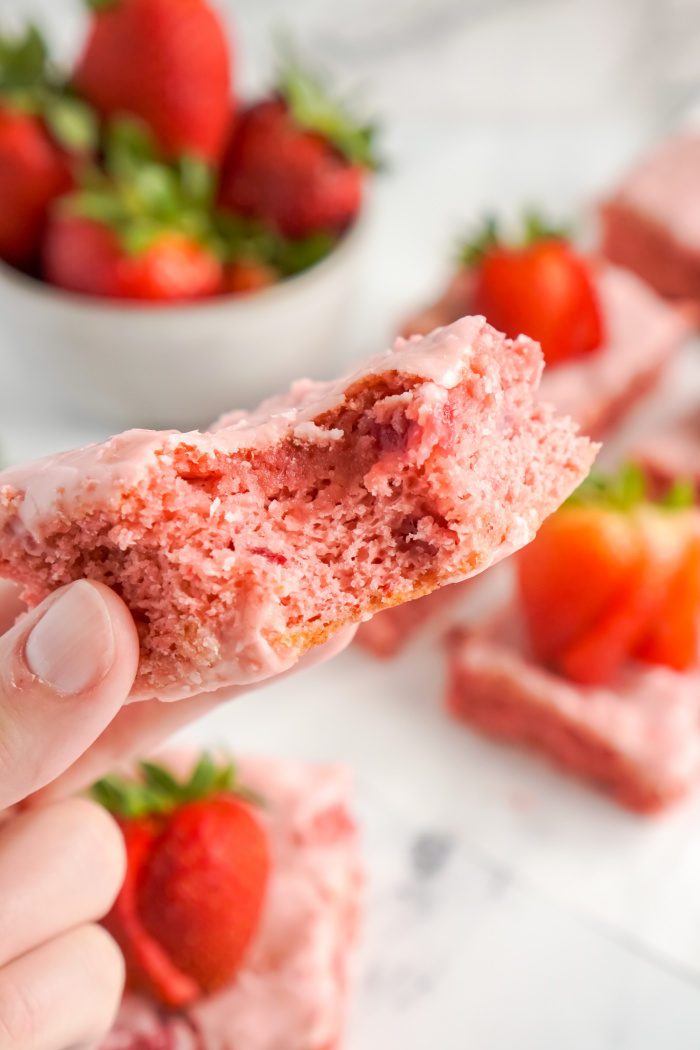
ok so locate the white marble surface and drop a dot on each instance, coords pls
(507, 907)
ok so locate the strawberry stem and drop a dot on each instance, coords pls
(490, 236)
(312, 107)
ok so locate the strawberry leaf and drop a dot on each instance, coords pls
(312, 107)
(72, 123)
(156, 791)
(538, 228)
(203, 780)
(489, 236)
(197, 180)
(23, 61)
(680, 495)
(101, 5)
(473, 250)
(128, 145)
(627, 489)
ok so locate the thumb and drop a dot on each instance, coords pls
(66, 669)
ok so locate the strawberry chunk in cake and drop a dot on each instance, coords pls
(605, 335)
(597, 662)
(238, 550)
(239, 910)
(651, 225)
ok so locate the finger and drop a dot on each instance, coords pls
(11, 605)
(141, 727)
(66, 668)
(61, 866)
(63, 994)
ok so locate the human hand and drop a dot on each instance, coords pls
(66, 670)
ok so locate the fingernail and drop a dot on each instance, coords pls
(71, 648)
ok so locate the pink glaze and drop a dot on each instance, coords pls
(238, 549)
(638, 737)
(291, 991)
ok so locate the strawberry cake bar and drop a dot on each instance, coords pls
(652, 223)
(240, 549)
(596, 666)
(288, 990)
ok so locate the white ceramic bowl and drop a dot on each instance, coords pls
(177, 366)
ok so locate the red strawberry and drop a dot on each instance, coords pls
(296, 161)
(197, 873)
(86, 256)
(166, 62)
(612, 577)
(542, 288)
(248, 275)
(42, 135)
(33, 173)
(142, 232)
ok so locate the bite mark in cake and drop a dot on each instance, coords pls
(238, 550)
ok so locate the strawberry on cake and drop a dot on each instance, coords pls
(238, 550)
(239, 910)
(606, 337)
(596, 664)
(651, 225)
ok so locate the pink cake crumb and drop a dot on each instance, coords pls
(673, 453)
(637, 739)
(291, 991)
(651, 225)
(238, 550)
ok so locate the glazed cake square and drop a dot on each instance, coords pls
(637, 738)
(291, 990)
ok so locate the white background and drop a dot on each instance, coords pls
(508, 909)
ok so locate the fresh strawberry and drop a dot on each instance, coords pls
(297, 161)
(197, 873)
(87, 256)
(140, 232)
(248, 275)
(673, 638)
(542, 288)
(42, 133)
(613, 577)
(33, 173)
(166, 62)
